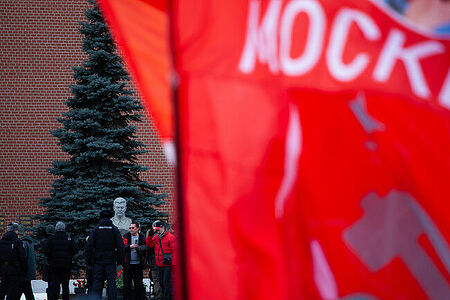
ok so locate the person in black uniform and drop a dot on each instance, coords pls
(105, 249)
(60, 249)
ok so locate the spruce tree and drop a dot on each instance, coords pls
(101, 144)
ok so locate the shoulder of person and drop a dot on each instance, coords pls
(50, 241)
(116, 230)
(18, 243)
(169, 238)
(64, 236)
(28, 239)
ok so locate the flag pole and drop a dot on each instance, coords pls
(182, 284)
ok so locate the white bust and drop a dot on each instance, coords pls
(119, 219)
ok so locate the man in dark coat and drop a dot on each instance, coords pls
(49, 231)
(12, 270)
(60, 250)
(105, 249)
(30, 256)
(134, 262)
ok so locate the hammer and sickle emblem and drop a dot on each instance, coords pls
(389, 229)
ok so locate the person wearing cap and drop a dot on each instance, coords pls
(60, 251)
(105, 249)
(163, 242)
(30, 256)
(12, 270)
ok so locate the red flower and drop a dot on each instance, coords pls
(125, 241)
(81, 283)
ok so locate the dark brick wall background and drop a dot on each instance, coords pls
(39, 42)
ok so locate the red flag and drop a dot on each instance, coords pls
(141, 29)
(314, 138)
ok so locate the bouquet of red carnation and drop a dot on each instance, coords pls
(119, 278)
(80, 283)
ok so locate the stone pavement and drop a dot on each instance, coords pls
(39, 287)
(37, 296)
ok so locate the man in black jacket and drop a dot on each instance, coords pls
(49, 231)
(12, 270)
(134, 262)
(105, 249)
(60, 250)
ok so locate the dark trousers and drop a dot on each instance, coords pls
(90, 278)
(10, 287)
(102, 272)
(133, 273)
(2, 289)
(27, 290)
(156, 290)
(59, 277)
(165, 280)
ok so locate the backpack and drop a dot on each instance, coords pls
(6, 251)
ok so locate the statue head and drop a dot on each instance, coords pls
(120, 206)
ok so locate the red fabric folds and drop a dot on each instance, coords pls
(315, 141)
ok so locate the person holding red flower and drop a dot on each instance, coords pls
(134, 262)
(164, 244)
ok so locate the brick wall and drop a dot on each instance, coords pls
(39, 44)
